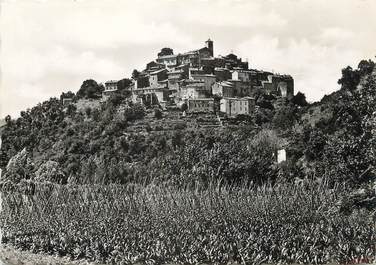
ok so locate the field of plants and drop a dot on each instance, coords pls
(117, 224)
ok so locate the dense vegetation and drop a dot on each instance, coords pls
(118, 181)
(155, 225)
(121, 142)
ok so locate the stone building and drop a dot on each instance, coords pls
(109, 89)
(194, 89)
(168, 60)
(208, 80)
(156, 77)
(232, 61)
(236, 106)
(241, 75)
(142, 81)
(222, 74)
(154, 66)
(174, 77)
(284, 85)
(111, 85)
(241, 88)
(192, 58)
(67, 101)
(201, 105)
(223, 89)
(279, 85)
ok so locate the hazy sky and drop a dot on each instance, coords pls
(48, 47)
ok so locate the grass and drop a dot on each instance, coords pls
(155, 225)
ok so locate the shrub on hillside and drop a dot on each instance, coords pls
(50, 171)
(300, 99)
(158, 113)
(90, 89)
(19, 167)
(284, 117)
(134, 112)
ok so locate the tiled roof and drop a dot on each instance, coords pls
(201, 99)
(244, 98)
(158, 71)
(207, 75)
(111, 81)
(175, 72)
(167, 56)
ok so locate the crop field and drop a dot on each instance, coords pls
(155, 225)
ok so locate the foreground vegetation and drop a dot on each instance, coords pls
(155, 225)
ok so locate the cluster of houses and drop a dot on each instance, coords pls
(197, 78)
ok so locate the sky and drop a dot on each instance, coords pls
(48, 47)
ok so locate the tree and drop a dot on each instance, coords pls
(265, 101)
(366, 67)
(135, 74)
(50, 171)
(300, 99)
(90, 89)
(158, 113)
(184, 107)
(115, 99)
(263, 116)
(134, 112)
(217, 103)
(284, 117)
(124, 83)
(166, 51)
(88, 111)
(350, 78)
(8, 119)
(71, 109)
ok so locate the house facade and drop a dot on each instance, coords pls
(201, 105)
(207, 79)
(223, 89)
(158, 76)
(109, 89)
(194, 89)
(236, 106)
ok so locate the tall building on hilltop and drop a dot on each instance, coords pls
(192, 58)
(210, 46)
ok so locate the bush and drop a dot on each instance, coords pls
(88, 111)
(180, 126)
(134, 112)
(158, 113)
(90, 89)
(50, 171)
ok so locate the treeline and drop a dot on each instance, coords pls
(333, 139)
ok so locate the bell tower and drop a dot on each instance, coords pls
(209, 45)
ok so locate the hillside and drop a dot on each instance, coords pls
(167, 187)
(117, 141)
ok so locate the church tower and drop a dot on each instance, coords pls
(209, 45)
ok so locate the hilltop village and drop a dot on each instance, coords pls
(197, 78)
